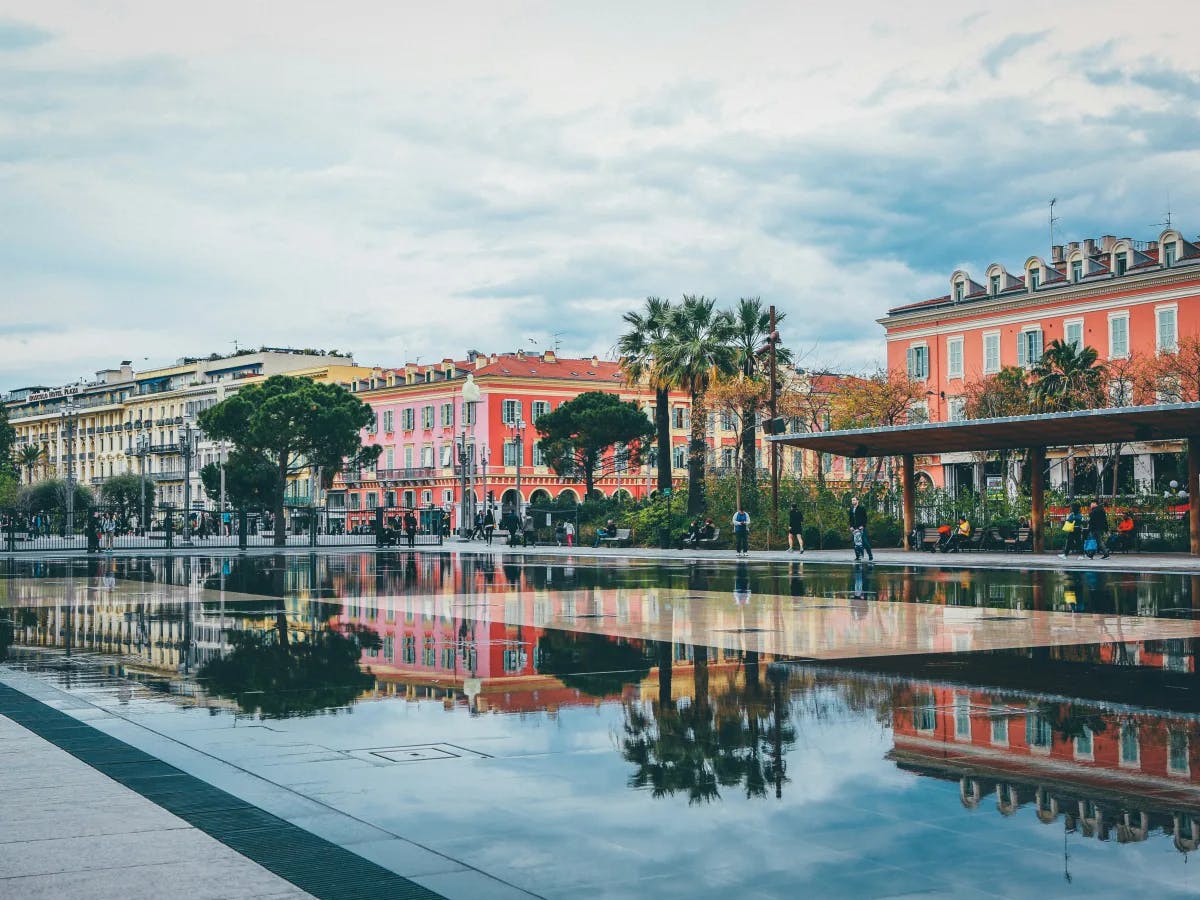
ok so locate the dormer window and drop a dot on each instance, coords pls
(994, 285)
(1120, 263)
(1035, 279)
(1169, 254)
(1077, 270)
(958, 291)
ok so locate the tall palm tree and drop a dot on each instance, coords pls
(751, 329)
(697, 350)
(639, 349)
(28, 458)
(1066, 378)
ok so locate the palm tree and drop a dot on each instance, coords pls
(697, 349)
(751, 329)
(639, 349)
(28, 458)
(1068, 377)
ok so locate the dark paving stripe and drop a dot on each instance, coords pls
(311, 863)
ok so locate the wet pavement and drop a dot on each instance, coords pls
(492, 725)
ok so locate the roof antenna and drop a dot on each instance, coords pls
(1053, 219)
(1166, 222)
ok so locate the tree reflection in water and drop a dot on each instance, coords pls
(698, 746)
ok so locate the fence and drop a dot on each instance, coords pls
(102, 528)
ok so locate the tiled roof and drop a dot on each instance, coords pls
(514, 366)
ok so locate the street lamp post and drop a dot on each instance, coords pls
(470, 396)
(68, 419)
(186, 448)
(518, 429)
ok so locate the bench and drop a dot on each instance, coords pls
(1022, 540)
(684, 543)
(930, 541)
(622, 535)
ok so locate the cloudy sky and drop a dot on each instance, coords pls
(406, 181)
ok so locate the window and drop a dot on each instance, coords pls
(1166, 339)
(539, 458)
(427, 456)
(1120, 263)
(390, 455)
(427, 416)
(1029, 347)
(620, 458)
(373, 425)
(1077, 270)
(680, 418)
(991, 353)
(1073, 333)
(1118, 335)
(918, 413)
(388, 415)
(447, 415)
(1083, 744)
(925, 713)
(468, 414)
(1035, 278)
(962, 717)
(679, 456)
(389, 499)
(958, 291)
(538, 409)
(408, 419)
(1130, 747)
(408, 457)
(510, 412)
(954, 358)
(510, 453)
(1177, 753)
(372, 499)
(999, 720)
(1120, 392)
(1038, 733)
(956, 409)
(994, 285)
(354, 501)
(1169, 254)
(727, 420)
(918, 362)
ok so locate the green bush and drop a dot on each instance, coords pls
(833, 540)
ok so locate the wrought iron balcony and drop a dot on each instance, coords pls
(420, 473)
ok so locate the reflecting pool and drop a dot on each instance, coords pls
(635, 729)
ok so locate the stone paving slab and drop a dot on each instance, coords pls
(70, 831)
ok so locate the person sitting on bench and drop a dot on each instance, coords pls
(1125, 531)
(960, 537)
(608, 531)
(691, 535)
(708, 530)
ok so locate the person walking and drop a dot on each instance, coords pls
(489, 526)
(527, 535)
(858, 530)
(1098, 528)
(741, 532)
(1072, 527)
(795, 528)
(92, 530)
(569, 531)
(109, 525)
(410, 528)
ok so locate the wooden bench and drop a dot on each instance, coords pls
(1022, 540)
(930, 541)
(684, 543)
(622, 535)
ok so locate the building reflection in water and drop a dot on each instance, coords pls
(1045, 729)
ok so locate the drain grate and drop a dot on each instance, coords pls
(412, 753)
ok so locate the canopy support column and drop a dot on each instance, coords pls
(1037, 497)
(1193, 487)
(907, 481)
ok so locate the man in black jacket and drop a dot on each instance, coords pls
(858, 523)
(795, 528)
(1098, 527)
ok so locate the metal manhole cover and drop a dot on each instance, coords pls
(415, 754)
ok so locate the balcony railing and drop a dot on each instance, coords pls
(421, 473)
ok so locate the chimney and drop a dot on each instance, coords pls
(1056, 254)
(520, 354)
(548, 356)
(1089, 247)
(1106, 243)
(1072, 247)
(595, 360)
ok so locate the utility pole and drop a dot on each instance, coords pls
(772, 445)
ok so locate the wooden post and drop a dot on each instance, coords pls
(1193, 487)
(907, 488)
(1037, 496)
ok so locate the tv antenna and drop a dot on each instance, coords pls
(1166, 222)
(1053, 219)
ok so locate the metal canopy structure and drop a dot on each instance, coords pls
(1123, 425)
(1089, 426)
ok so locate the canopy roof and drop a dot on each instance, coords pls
(1089, 426)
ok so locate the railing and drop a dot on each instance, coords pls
(420, 473)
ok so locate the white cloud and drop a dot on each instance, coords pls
(409, 181)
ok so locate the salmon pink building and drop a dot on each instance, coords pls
(1119, 296)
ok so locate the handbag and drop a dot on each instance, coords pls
(1091, 545)
(1069, 526)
